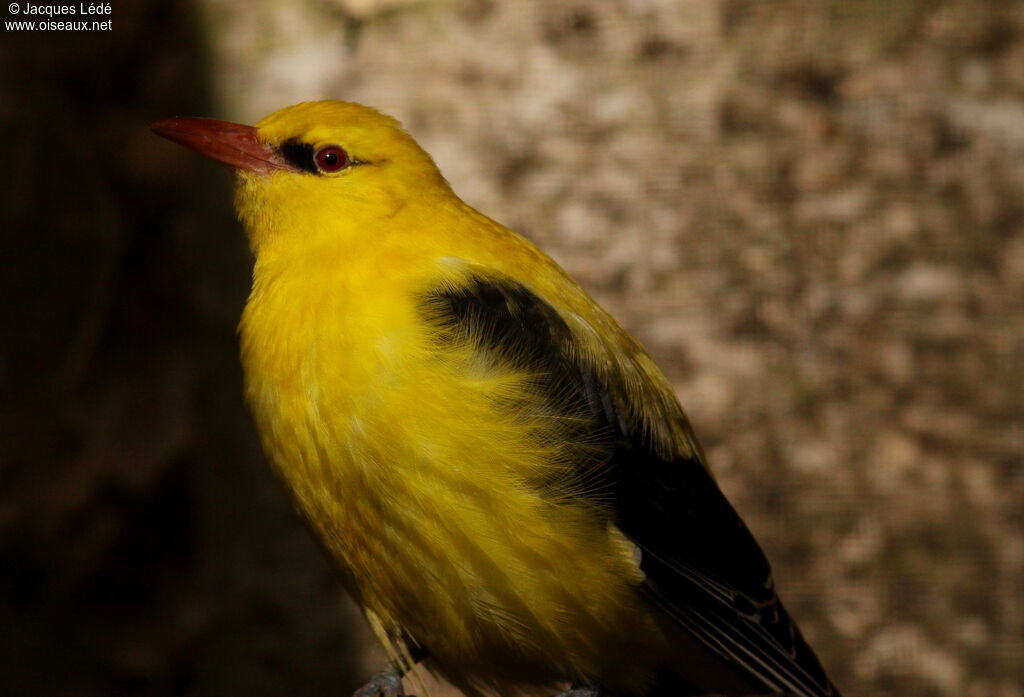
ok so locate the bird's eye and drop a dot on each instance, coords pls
(330, 159)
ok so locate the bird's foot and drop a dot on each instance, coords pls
(387, 683)
(582, 691)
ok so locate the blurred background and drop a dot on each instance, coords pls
(811, 212)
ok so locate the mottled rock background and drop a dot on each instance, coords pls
(811, 212)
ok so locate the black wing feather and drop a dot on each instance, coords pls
(703, 567)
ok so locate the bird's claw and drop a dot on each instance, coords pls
(387, 683)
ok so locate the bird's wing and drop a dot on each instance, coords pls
(703, 567)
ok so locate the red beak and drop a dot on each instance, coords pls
(232, 144)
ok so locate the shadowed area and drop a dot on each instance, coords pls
(146, 548)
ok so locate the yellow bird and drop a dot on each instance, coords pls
(503, 475)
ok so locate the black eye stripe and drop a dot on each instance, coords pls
(299, 155)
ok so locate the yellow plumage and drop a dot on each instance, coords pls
(405, 459)
(400, 352)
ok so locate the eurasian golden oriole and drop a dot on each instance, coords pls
(508, 484)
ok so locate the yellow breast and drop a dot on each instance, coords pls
(417, 470)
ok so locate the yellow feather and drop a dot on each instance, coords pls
(459, 486)
(400, 455)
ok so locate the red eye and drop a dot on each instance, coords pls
(331, 159)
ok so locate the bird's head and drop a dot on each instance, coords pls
(314, 170)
